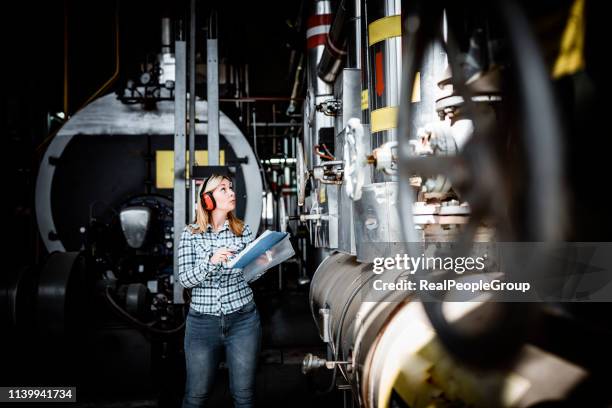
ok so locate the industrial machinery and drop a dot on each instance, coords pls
(429, 123)
(425, 128)
(106, 209)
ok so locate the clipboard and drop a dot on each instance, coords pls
(268, 250)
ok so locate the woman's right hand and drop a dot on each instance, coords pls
(222, 255)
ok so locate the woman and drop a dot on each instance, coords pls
(222, 313)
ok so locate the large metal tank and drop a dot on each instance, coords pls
(110, 151)
(391, 355)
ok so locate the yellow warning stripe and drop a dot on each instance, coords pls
(383, 119)
(386, 118)
(386, 27)
(416, 88)
(571, 55)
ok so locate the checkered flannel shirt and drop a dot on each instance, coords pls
(217, 289)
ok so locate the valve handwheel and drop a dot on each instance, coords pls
(355, 160)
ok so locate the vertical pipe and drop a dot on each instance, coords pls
(246, 80)
(166, 58)
(285, 146)
(237, 70)
(356, 35)
(297, 82)
(384, 60)
(166, 36)
(334, 52)
(255, 133)
(212, 81)
(274, 148)
(317, 29)
(366, 83)
(192, 94)
(179, 157)
(246, 106)
(293, 146)
(66, 58)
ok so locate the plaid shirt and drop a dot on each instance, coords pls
(217, 289)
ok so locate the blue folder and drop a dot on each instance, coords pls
(257, 248)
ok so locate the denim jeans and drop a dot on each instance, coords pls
(240, 333)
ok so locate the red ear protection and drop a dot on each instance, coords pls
(207, 199)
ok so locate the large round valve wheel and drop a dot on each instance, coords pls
(516, 191)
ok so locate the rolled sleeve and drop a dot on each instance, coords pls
(194, 266)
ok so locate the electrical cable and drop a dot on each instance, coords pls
(147, 326)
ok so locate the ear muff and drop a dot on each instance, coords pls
(207, 199)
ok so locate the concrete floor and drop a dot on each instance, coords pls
(108, 375)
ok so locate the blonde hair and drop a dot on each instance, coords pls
(203, 217)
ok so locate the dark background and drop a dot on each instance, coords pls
(249, 32)
(262, 34)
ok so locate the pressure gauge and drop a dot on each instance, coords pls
(145, 78)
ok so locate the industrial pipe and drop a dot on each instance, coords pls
(335, 47)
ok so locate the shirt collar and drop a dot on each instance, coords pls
(223, 227)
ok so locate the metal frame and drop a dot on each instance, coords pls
(212, 76)
(179, 192)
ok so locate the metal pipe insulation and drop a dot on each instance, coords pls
(318, 91)
(317, 29)
(192, 93)
(384, 69)
(297, 85)
(166, 35)
(351, 324)
(335, 47)
(388, 351)
(212, 89)
(356, 37)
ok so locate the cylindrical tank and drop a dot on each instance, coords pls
(396, 357)
(110, 151)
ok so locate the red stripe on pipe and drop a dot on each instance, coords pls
(316, 40)
(380, 80)
(319, 19)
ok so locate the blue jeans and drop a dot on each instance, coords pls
(240, 333)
